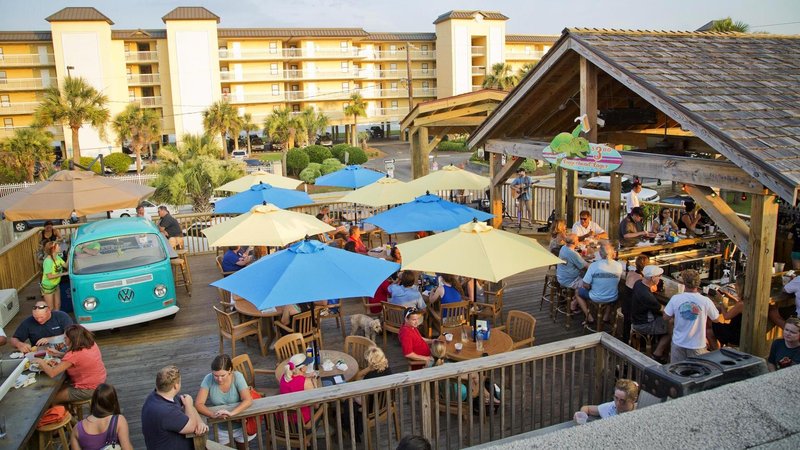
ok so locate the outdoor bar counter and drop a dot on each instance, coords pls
(23, 407)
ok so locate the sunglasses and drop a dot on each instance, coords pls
(40, 307)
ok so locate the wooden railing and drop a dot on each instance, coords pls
(537, 387)
(18, 264)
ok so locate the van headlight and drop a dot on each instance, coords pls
(160, 290)
(90, 303)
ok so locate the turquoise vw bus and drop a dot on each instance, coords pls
(120, 274)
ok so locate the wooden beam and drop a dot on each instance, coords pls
(496, 191)
(546, 105)
(457, 112)
(499, 178)
(722, 214)
(561, 194)
(614, 207)
(435, 141)
(704, 172)
(461, 122)
(419, 159)
(758, 274)
(589, 96)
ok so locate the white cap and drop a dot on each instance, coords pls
(652, 271)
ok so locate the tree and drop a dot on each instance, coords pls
(314, 122)
(221, 118)
(524, 71)
(140, 127)
(282, 126)
(77, 103)
(356, 107)
(248, 126)
(727, 24)
(189, 172)
(502, 77)
(21, 152)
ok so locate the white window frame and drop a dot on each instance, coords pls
(5, 100)
(345, 66)
(3, 77)
(273, 47)
(393, 85)
(1, 54)
(393, 105)
(425, 50)
(424, 67)
(426, 85)
(345, 86)
(344, 46)
(273, 69)
(392, 49)
(8, 122)
(276, 89)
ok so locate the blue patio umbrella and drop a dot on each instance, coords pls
(427, 212)
(307, 271)
(352, 177)
(258, 194)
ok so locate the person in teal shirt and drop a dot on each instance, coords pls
(52, 271)
(225, 386)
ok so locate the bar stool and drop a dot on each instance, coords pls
(636, 342)
(598, 310)
(76, 409)
(564, 304)
(179, 268)
(46, 432)
(183, 254)
(548, 291)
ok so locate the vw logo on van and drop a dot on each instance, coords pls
(125, 295)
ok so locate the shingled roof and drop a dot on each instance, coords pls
(401, 37)
(290, 32)
(521, 38)
(140, 34)
(460, 14)
(190, 13)
(78, 14)
(739, 93)
(25, 36)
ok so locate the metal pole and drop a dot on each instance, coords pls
(408, 73)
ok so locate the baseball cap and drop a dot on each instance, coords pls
(652, 271)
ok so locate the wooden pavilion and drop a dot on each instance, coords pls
(734, 98)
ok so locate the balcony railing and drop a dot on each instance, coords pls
(478, 70)
(147, 102)
(537, 387)
(422, 92)
(144, 79)
(25, 84)
(531, 55)
(27, 60)
(288, 96)
(391, 112)
(400, 54)
(8, 109)
(141, 56)
(253, 76)
(478, 50)
(402, 73)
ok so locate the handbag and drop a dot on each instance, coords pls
(250, 424)
(112, 443)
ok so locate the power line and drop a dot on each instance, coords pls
(774, 24)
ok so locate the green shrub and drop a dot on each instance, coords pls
(318, 153)
(296, 161)
(311, 173)
(86, 160)
(117, 162)
(452, 146)
(338, 151)
(357, 156)
(331, 165)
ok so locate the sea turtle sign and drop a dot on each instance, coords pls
(572, 151)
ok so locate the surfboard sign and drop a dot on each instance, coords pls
(599, 158)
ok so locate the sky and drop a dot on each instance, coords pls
(526, 16)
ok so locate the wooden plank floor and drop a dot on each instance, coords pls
(134, 354)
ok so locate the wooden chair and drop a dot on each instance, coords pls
(304, 324)
(356, 346)
(393, 319)
(521, 327)
(375, 416)
(492, 308)
(226, 304)
(236, 332)
(288, 346)
(377, 235)
(415, 365)
(243, 364)
(333, 312)
(296, 438)
(451, 315)
(361, 374)
(368, 307)
(218, 259)
(636, 340)
(180, 274)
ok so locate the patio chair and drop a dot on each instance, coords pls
(492, 308)
(237, 332)
(225, 301)
(368, 307)
(294, 435)
(288, 346)
(334, 311)
(243, 364)
(304, 324)
(356, 346)
(375, 416)
(450, 315)
(393, 319)
(521, 327)
(218, 259)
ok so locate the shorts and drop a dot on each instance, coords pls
(576, 284)
(678, 354)
(584, 294)
(238, 436)
(77, 394)
(654, 328)
(48, 291)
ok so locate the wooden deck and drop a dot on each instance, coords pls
(134, 354)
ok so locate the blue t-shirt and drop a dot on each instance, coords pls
(229, 260)
(568, 272)
(405, 296)
(215, 395)
(451, 295)
(604, 277)
(32, 330)
(162, 422)
(524, 184)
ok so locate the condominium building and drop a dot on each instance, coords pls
(183, 68)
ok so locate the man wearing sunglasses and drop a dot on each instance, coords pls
(585, 228)
(42, 327)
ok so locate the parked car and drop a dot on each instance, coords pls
(251, 162)
(22, 225)
(256, 143)
(601, 187)
(239, 154)
(325, 140)
(375, 132)
(150, 209)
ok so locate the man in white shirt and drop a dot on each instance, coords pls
(585, 228)
(689, 311)
(793, 287)
(632, 197)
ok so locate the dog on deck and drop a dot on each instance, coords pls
(371, 327)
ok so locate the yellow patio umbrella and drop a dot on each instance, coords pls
(386, 191)
(265, 225)
(446, 179)
(244, 183)
(476, 250)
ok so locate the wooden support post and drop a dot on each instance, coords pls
(758, 274)
(561, 194)
(427, 412)
(572, 191)
(496, 190)
(614, 207)
(722, 215)
(419, 157)
(588, 86)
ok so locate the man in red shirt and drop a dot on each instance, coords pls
(415, 347)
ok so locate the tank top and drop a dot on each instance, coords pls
(297, 384)
(91, 441)
(451, 295)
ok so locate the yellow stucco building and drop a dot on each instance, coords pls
(183, 68)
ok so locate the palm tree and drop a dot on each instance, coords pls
(189, 172)
(77, 103)
(282, 126)
(27, 147)
(356, 107)
(140, 127)
(314, 122)
(524, 71)
(727, 24)
(248, 126)
(221, 118)
(502, 77)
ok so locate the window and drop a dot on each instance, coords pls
(4, 100)
(343, 45)
(1, 53)
(295, 108)
(129, 73)
(393, 85)
(345, 87)
(345, 67)
(424, 67)
(273, 69)
(140, 250)
(426, 85)
(8, 122)
(424, 50)
(276, 89)
(527, 49)
(392, 69)
(3, 79)
(394, 104)
(273, 47)
(131, 94)
(392, 49)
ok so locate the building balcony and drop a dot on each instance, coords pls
(387, 55)
(290, 53)
(144, 79)
(141, 57)
(147, 102)
(287, 96)
(421, 92)
(27, 60)
(533, 55)
(401, 73)
(392, 113)
(11, 109)
(478, 50)
(25, 84)
(253, 76)
(477, 87)
(478, 70)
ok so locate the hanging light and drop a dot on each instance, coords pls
(658, 183)
(744, 196)
(713, 194)
(683, 187)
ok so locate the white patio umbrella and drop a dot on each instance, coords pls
(244, 183)
(448, 178)
(386, 191)
(265, 225)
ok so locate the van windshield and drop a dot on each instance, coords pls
(117, 253)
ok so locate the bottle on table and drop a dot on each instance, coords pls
(310, 354)
(479, 341)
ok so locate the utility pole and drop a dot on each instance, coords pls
(69, 70)
(408, 73)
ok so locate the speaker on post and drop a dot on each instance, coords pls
(700, 373)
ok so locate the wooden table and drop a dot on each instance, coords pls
(246, 308)
(333, 355)
(499, 342)
(633, 252)
(24, 407)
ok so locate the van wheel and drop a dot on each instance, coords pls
(19, 227)
(124, 215)
(172, 317)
